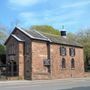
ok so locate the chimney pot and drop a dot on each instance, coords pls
(63, 34)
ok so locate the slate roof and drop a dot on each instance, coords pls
(37, 35)
(61, 40)
(52, 38)
(34, 34)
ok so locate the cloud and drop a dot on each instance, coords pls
(30, 18)
(25, 2)
(77, 4)
(26, 15)
(73, 15)
(53, 16)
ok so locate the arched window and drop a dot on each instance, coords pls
(15, 69)
(12, 68)
(72, 63)
(63, 63)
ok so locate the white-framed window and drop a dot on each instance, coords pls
(62, 51)
(72, 52)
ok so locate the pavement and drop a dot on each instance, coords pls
(40, 81)
(57, 84)
(11, 82)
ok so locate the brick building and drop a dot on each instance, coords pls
(36, 55)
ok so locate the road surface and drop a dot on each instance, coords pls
(65, 84)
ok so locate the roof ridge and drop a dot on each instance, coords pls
(42, 34)
(25, 32)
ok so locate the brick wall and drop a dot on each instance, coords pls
(31, 54)
(39, 53)
(9, 49)
(12, 50)
(21, 60)
(27, 53)
(58, 72)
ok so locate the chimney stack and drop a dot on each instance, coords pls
(63, 32)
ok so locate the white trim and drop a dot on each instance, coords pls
(25, 32)
(43, 35)
(16, 37)
(40, 39)
(28, 34)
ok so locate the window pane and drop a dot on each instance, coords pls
(63, 63)
(72, 52)
(62, 51)
(72, 63)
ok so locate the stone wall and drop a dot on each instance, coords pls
(58, 72)
(31, 54)
(27, 53)
(21, 60)
(15, 52)
(12, 48)
(39, 53)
